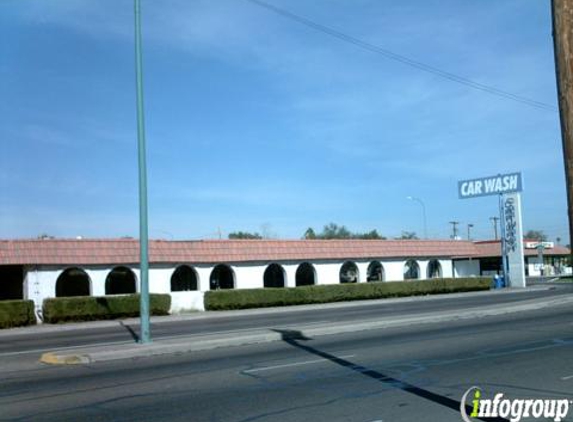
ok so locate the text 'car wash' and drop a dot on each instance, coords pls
(503, 183)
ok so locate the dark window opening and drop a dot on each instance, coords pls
(183, 279)
(411, 270)
(434, 269)
(11, 282)
(73, 282)
(221, 278)
(274, 276)
(121, 280)
(375, 272)
(348, 273)
(305, 275)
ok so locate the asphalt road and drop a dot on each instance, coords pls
(119, 332)
(406, 374)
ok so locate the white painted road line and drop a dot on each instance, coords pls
(288, 365)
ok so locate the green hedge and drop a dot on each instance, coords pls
(16, 313)
(260, 298)
(87, 308)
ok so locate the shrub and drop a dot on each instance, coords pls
(260, 298)
(16, 313)
(87, 308)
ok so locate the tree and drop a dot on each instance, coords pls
(535, 235)
(45, 236)
(334, 231)
(309, 233)
(371, 235)
(244, 235)
(408, 235)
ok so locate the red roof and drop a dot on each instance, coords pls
(126, 251)
(492, 248)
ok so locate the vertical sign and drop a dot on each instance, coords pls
(507, 187)
(513, 235)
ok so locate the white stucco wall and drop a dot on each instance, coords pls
(447, 268)
(182, 302)
(249, 275)
(40, 281)
(327, 272)
(394, 270)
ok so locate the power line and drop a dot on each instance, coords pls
(402, 59)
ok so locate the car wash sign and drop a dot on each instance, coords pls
(507, 187)
(493, 185)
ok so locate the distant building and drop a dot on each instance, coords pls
(555, 258)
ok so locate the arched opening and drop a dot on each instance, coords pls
(375, 272)
(434, 269)
(411, 270)
(12, 284)
(348, 273)
(183, 279)
(222, 277)
(120, 280)
(73, 282)
(274, 276)
(305, 275)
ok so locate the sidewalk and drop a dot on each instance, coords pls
(50, 328)
(183, 344)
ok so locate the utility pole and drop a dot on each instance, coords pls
(562, 13)
(454, 229)
(469, 228)
(494, 220)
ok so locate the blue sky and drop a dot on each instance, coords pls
(256, 122)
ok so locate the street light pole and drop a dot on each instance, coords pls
(143, 235)
(469, 228)
(413, 198)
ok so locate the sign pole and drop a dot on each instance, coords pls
(143, 236)
(504, 272)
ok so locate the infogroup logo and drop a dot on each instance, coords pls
(514, 409)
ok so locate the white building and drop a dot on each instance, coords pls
(40, 269)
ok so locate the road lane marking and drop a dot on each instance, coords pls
(288, 365)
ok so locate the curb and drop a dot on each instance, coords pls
(49, 328)
(212, 341)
